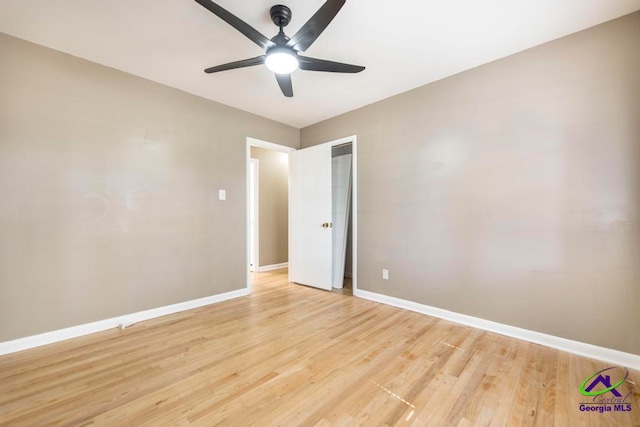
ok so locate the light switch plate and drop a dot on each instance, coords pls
(222, 194)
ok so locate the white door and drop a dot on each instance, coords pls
(310, 236)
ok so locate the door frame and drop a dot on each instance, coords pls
(253, 142)
(256, 214)
(353, 139)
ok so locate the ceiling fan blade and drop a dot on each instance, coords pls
(284, 81)
(237, 23)
(316, 25)
(258, 60)
(314, 64)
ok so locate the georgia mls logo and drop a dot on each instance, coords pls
(605, 389)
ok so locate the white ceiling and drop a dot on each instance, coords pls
(403, 43)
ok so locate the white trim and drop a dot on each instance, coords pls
(120, 321)
(272, 267)
(269, 145)
(582, 349)
(256, 215)
(253, 142)
(354, 214)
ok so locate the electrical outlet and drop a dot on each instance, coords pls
(385, 274)
(222, 195)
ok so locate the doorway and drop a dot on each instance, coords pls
(267, 210)
(350, 240)
(341, 167)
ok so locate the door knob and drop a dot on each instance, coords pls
(327, 225)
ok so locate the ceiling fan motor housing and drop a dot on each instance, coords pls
(280, 39)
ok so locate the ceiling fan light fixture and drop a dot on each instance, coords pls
(281, 60)
(281, 52)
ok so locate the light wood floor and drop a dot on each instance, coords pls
(290, 355)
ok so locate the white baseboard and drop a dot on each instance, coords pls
(101, 325)
(271, 267)
(582, 349)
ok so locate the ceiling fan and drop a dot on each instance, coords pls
(281, 52)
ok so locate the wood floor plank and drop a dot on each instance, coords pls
(292, 355)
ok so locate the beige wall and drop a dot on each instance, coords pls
(108, 192)
(511, 192)
(273, 189)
